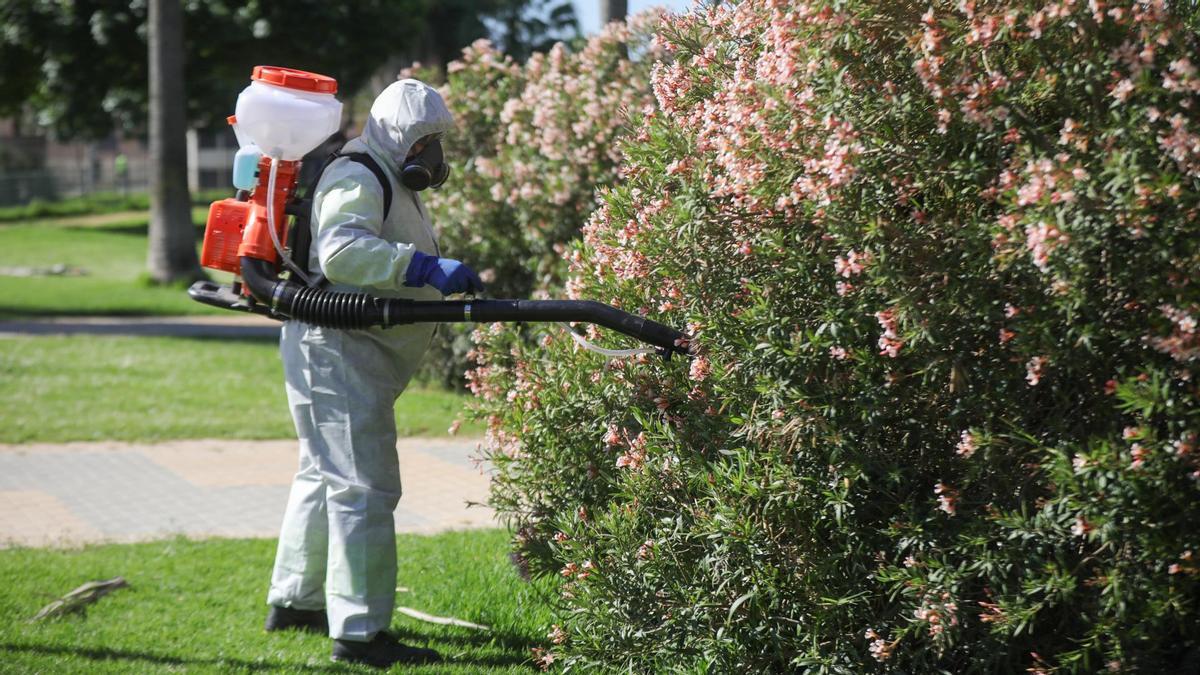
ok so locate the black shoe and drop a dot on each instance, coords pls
(382, 651)
(286, 618)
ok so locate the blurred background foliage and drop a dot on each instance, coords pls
(80, 68)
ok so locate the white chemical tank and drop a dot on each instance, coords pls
(287, 113)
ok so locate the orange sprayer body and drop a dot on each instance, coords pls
(241, 228)
(223, 235)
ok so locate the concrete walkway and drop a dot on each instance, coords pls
(78, 493)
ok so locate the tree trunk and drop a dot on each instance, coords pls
(613, 10)
(172, 245)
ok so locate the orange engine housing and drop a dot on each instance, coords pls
(241, 228)
(223, 235)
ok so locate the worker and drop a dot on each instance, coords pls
(335, 567)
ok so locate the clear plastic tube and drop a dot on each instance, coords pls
(610, 353)
(271, 225)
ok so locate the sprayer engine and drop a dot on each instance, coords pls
(243, 227)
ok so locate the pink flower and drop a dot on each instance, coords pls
(1183, 67)
(1006, 335)
(1131, 432)
(1140, 454)
(700, 369)
(938, 614)
(1122, 90)
(887, 321)
(947, 498)
(881, 650)
(838, 353)
(1081, 527)
(613, 437)
(557, 635)
(1067, 135)
(543, 658)
(889, 347)
(992, 613)
(966, 445)
(852, 265)
(646, 550)
(1034, 370)
(890, 342)
(1042, 240)
(1184, 342)
(635, 456)
(1184, 447)
(943, 116)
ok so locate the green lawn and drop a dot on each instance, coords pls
(112, 257)
(199, 606)
(64, 388)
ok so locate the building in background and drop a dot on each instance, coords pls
(37, 166)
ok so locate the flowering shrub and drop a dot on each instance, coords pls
(939, 264)
(531, 145)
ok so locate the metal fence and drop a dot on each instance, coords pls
(60, 182)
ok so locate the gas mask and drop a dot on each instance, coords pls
(426, 169)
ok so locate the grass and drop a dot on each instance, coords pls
(113, 257)
(199, 606)
(68, 388)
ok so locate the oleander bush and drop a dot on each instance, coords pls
(531, 145)
(939, 263)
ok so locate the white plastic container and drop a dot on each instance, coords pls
(287, 113)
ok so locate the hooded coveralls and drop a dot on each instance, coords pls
(337, 547)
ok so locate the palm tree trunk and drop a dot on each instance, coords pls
(172, 245)
(613, 10)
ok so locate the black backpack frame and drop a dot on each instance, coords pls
(300, 232)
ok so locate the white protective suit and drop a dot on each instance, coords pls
(337, 547)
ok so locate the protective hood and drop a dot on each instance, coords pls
(403, 113)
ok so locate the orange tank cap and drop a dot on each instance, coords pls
(232, 119)
(295, 79)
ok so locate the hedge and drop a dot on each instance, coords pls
(939, 265)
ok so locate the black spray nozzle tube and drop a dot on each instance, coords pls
(359, 310)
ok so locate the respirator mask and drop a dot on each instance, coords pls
(426, 169)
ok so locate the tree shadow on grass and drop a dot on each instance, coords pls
(517, 647)
(109, 654)
(132, 227)
(166, 660)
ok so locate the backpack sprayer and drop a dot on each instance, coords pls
(280, 117)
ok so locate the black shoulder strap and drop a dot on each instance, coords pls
(369, 162)
(300, 232)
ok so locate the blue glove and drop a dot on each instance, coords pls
(447, 275)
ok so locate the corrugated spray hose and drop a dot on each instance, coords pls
(286, 299)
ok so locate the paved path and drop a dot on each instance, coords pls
(77, 493)
(230, 325)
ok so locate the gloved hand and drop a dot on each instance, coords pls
(446, 275)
